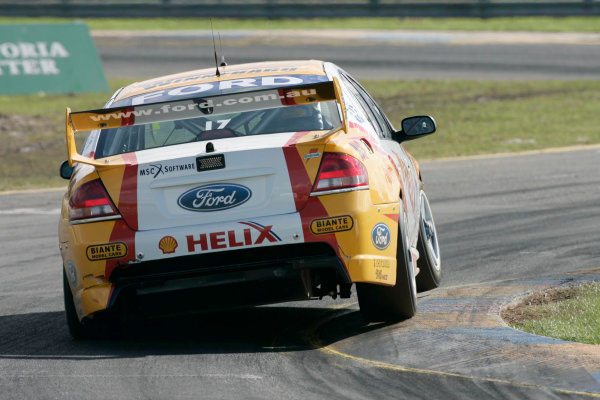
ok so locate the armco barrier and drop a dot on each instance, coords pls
(281, 9)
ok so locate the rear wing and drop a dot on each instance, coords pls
(85, 121)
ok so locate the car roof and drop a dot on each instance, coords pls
(237, 71)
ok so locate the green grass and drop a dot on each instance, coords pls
(535, 24)
(32, 139)
(494, 117)
(473, 118)
(575, 319)
(53, 105)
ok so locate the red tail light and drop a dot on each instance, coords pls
(90, 202)
(340, 171)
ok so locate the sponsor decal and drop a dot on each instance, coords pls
(380, 276)
(382, 267)
(168, 244)
(155, 170)
(356, 145)
(166, 82)
(322, 226)
(213, 88)
(106, 251)
(312, 154)
(353, 111)
(72, 273)
(381, 263)
(214, 197)
(254, 234)
(381, 236)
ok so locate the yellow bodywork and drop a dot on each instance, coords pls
(380, 203)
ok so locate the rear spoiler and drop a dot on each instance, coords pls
(106, 118)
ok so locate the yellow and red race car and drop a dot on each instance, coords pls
(252, 184)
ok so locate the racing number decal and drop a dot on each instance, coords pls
(222, 124)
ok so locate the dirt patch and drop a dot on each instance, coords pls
(485, 291)
(31, 149)
(525, 311)
(27, 133)
(516, 96)
(16, 125)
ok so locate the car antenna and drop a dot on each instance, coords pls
(223, 62)
(214, 47)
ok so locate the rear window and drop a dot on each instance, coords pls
(307, 117)
(318, 116)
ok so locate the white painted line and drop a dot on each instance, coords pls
(30, 211)
(40, 190)
(550, 150)
(211, 376)
(371, 35)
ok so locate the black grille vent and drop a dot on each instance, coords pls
(207, 163)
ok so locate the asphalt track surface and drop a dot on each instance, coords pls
(507, 225)
(365, 54)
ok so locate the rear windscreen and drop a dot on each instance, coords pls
(306, 117)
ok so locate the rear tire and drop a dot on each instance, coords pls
(429, 262)
(100, 327)
(391, 303)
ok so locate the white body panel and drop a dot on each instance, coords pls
(221, 236)
(256, 162)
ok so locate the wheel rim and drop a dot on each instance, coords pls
(429, 233)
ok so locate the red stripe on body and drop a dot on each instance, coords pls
(394, 165)
(393, 217)
(128, 206)
(354, 125)
(124, 229)
(310, 208)
(121, 233)
(299, 179)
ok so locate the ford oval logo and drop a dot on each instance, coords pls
(381, 236)
(214, 197)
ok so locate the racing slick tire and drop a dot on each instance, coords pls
(392, 303)
(100, 327)
(429, 262)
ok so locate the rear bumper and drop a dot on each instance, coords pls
(230, 279)
(262, 260)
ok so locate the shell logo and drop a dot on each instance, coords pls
(168, 244)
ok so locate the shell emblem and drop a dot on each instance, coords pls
(168, 244)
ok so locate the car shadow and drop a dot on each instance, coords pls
(44, 335)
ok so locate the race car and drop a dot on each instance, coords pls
(238, 186)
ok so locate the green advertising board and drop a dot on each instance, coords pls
(49, 58)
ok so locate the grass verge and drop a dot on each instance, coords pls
(567, 313)
(532, 24)
(494, 117)
(474, 118)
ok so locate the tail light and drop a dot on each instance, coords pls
(90, 202)
(342, 172)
